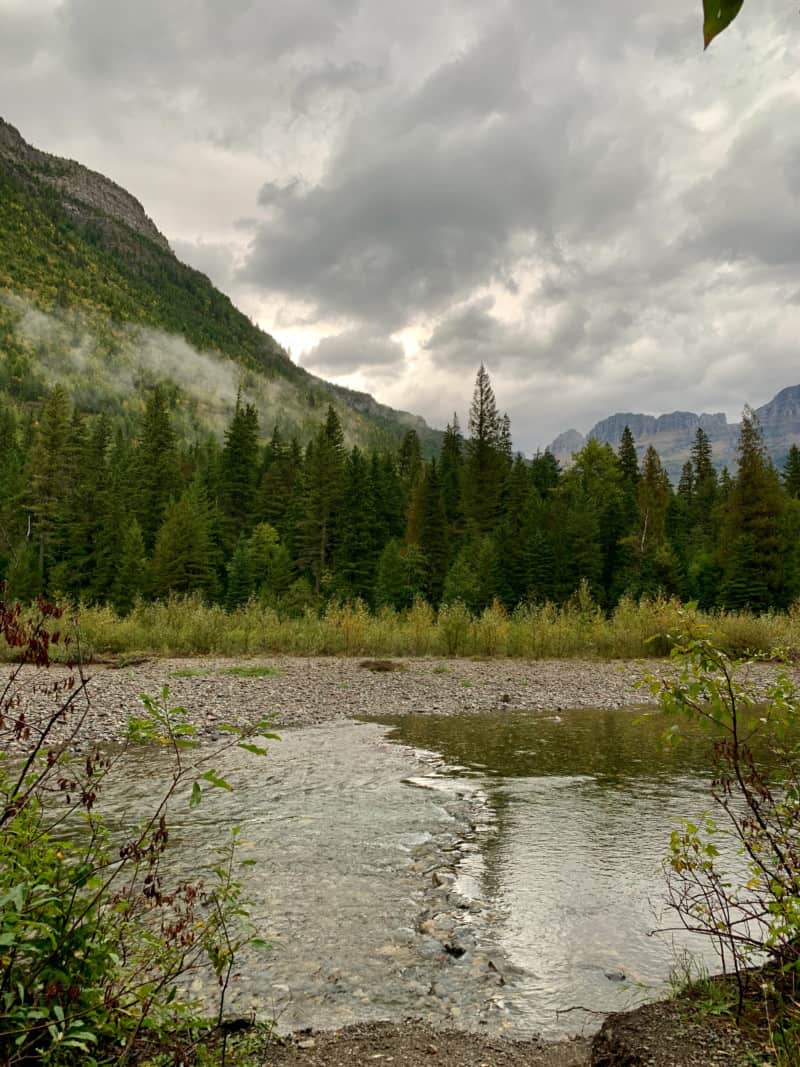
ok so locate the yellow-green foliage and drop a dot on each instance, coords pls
(186, 626)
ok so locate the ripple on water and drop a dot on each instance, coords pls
(554, 828)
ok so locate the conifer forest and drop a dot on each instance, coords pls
(96, 511)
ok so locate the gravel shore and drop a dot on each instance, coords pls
(295, 691)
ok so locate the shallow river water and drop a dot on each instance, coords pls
(553, 826)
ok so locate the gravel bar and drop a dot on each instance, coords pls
(295, 691)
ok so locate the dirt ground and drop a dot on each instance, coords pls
(413, 1045)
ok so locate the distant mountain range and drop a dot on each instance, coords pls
(92, 296)
(673, 435)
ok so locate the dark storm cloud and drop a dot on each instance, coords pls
(442, 188)
(345, 353)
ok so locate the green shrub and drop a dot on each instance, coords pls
(754, 914)
(94, 934)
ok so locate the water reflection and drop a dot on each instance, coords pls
(570, 817)
(583, 805)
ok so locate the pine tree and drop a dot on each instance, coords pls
(545, 472)
(323, 486)
(409, 460)
(515, 535)
(451, 471)
(131, 578)
(357, 549)
(155, 470)
(654, 565)
(270, 563)
(239, 576)
(387, 495)
(183, 557)
(593, 491)
(13, 515)
(631, 477)
(752, 548)
(686, 482)
(791, 473)
(51, 467)
(433, 534)
(473, 575)
(85, 507)
(542, 567)
(240, 474)
(704, 498)
(399, 576)
(483, 472)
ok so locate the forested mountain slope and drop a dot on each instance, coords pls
(92, 296)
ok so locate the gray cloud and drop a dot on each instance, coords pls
(472, 335)
(571, 193)
(347, 352)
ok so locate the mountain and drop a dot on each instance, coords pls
(92, 295)
(672, 435)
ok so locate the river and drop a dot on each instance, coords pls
(483, 871)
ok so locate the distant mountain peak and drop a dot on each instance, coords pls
(673, 434)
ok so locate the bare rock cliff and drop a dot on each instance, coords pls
(88, 196)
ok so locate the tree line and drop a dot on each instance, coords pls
(107, 513)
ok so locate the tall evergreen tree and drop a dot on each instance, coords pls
(409, 460)
(654, 564)
(593, 490)
(433, 533)
(484, 465)
(239, 585)
(631, 477)
(451, 472)
(516, 535)
(791, 473)
(751, 538)
(545, 472)
(323, 486)
(400, 575)
(183, 557)
(156, 471)
(356, 550)
(131, 577)
(240, 474)
(51, 469)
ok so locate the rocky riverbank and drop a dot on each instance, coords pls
(298, 691)
(295, 691)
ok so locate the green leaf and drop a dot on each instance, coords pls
(196, 796)
(252, 748)
(718, 15)
(216, 781)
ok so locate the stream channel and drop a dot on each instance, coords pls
(485, 872)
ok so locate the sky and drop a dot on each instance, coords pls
(572, 193)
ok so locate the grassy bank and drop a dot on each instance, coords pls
(188, 627)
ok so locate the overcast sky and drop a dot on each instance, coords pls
(572, 193)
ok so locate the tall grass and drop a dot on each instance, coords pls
(185, 626)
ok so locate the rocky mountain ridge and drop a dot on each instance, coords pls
(673, 434)
(88, 196)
